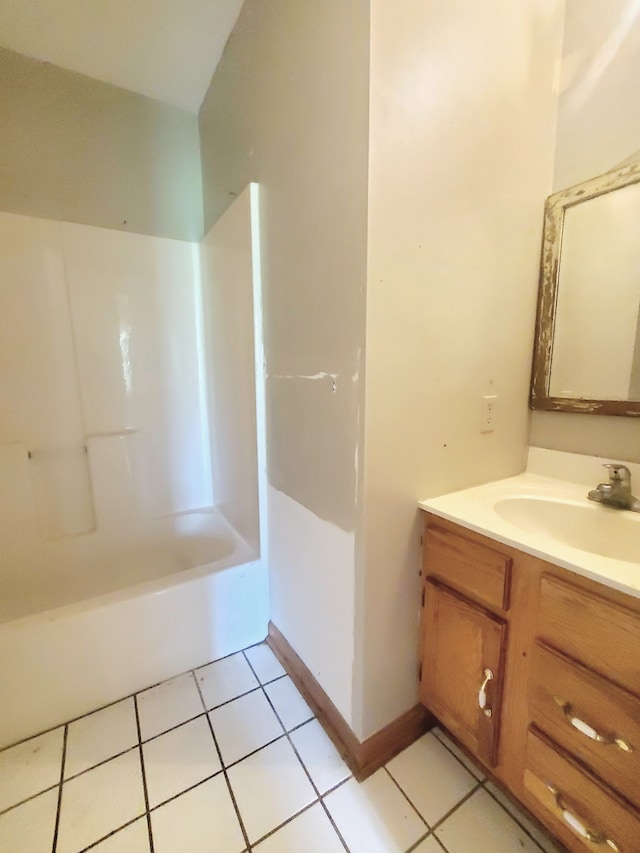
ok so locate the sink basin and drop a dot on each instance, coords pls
(589, 527)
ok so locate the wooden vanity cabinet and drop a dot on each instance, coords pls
(563, 733)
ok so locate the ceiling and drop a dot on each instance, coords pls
(165, 49)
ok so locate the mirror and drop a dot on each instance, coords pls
(587, 350)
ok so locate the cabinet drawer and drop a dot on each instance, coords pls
(468, 567)
(589, 717)
(600, 634)
(567, 797)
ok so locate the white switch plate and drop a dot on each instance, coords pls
(488, 419)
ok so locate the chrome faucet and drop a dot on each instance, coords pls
(617, 492)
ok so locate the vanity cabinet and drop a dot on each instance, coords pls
(558, 720)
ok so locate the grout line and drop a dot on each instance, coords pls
(285, 822)
(172, 728)
(512, 816)
(299, 726)
(224, 771)
(418, 842)
(59, 807)
(253, 752)
(68, 722)
(264, 682)
(406, 796)
(333, 823)
(112, 833)
(272, 680)
(339, 785)
(104, 761)
(466, 797)
(144, 775)
(28, 799)
(304, 766)
(185, 791)
(447, 746)
(229, 701)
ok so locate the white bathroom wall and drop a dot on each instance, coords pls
(228, 266)
(99, 349)
(598, 119)
(76, 149)
(462, 128)
(312, 592)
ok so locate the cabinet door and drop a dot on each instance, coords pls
(462, 668)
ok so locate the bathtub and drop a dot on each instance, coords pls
(87, 621)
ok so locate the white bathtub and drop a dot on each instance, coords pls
(85, 622)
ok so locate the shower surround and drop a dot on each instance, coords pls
(127, 554)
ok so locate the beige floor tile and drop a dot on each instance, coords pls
(319, 756)
(201, 821)
(30, 767)
(29, 828)
(100, 801)
(429, 845)
(459, 754)
(100, 736)
(168, 704)
(270, 787)
(264, 662)
(431, 777)
(225, 679)
(481, 825)
(244, 725)
(132, 839)
(179, 759)
(310, 832)
(523, 818)
(289, 704)
(374, 817)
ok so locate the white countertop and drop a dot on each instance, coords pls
(480, 509)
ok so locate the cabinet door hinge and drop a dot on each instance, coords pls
(422, 600)
(420, 672)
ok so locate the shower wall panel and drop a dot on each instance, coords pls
(41, 423)
(102, 390)
(228, 291)
(135, 302)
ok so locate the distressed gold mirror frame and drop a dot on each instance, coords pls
(555, 209)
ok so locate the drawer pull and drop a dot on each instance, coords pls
(578, 825)
(589, 731)
(482, 693)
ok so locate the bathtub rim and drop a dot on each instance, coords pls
(241, 555)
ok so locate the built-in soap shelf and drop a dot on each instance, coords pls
(52, 493)
(113, 433)
(62, 491)
(55, 451)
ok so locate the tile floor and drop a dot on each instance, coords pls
(228, 758)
